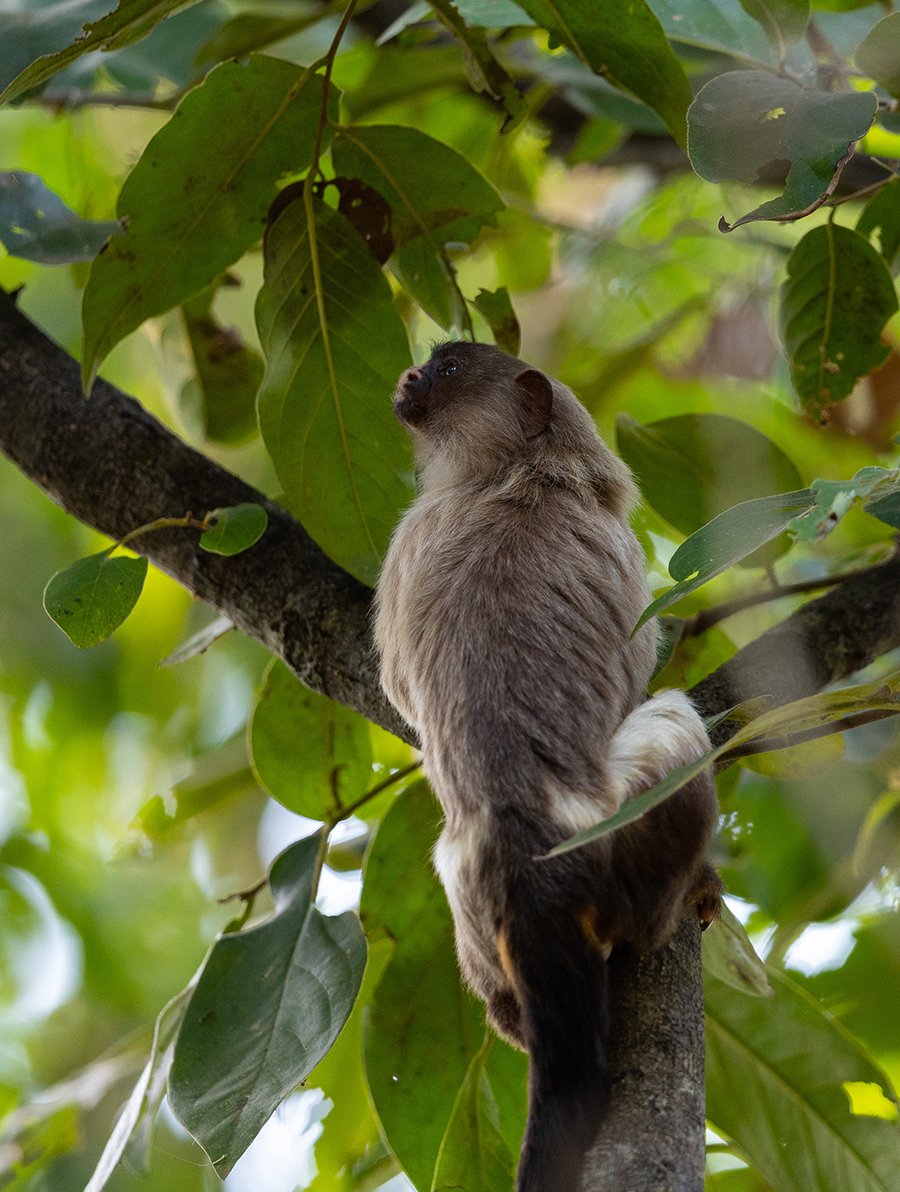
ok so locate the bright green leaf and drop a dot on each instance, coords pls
(37, 225)
(334, 347)
(625, 45)
(197, 198)
(269, 1003)
(311, 754)
(473, 1154)
(745, 124)
(833, 498)
(91, 599)
(879, 53)
(729, 956)
(234, 528)
(837, 297)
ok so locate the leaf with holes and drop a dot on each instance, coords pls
(269, 1003)
(837, 298)
(334, 347)
(91, 599)
(197, 199)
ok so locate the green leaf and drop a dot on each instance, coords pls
(883, 212)
(747, 125)
(334, 347)
(197, 198)
(837, 297)
(234, 528)
(269, 1003)
(221, 398)
(685, 469)
(727, 539)
(497, 309)
(775, 1070)
(131, 20)
(784, 21)
(473, 1154)
(423, 1028)
(879, 53)
(91, 599)
(729, 956)
(199, 642)
(35, 224)
(436, 198)
(311, 754)
(625, 45)
(833, 498)
(723, 26)
(486, 74)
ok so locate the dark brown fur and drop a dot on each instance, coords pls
(505, 610)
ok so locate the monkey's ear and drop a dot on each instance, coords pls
(535, 395)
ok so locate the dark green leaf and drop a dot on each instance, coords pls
(722, 26)
(423, 1027)
(91, 599)
(775, 1072)
(473, 1154)
(749, 125)
(436, 198)
(625, 45)
(37, 225)
(334, 347)
(28, 32)
(131, 20)
(886, 509)
(234, 528)
(496, 308)
(250, 31)
(837, 297)
(269, 1003)
(311, 754)
(883, 212)
(783, 20)
(201, 190)
(879, 53)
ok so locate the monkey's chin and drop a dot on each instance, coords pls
(409, 411)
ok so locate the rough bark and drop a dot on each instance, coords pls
(114, 467)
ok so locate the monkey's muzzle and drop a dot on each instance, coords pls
(411, 396)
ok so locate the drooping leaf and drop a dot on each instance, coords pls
(625, 45)
(749, 125)
(91, 599)
(486, 74)
(269, 1003)
(234, 528)
(879, 54)
(837, 297)
(728, 538)
(473, 1154)
(423, 1028)
(37, 225)
(784, 21)
(129, 22)
(775, 1073)
(197, 198)
(883, 213)
(685, 468)
(436, 197)
(221, 398)
(334, 347)
(495, 306)
(311, 754)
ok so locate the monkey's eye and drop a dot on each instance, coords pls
(448, 367)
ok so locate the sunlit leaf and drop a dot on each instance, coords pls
(269, 1003)
(37, 225)
(837, 298)
(879, 53)
(234, 528)
(334, 347)
(473, 1154)
(729, 956)
(311, 754)
(91, 599)
(749, 125)
(197, 198)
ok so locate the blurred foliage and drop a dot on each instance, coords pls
(461, 170)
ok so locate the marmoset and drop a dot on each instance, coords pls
(504, 622)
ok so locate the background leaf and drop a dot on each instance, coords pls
(91, 599)
(882, 212)
(879, 53)
(37, 225)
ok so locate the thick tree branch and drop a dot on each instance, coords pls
(114, 467)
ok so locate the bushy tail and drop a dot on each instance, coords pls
(560, 977)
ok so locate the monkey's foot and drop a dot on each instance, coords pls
(706, 895)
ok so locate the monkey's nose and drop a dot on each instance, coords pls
(416, 382)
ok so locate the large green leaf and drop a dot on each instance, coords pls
(311, 754)
(130, 21)
(423, 1028)
(624, 44)
(91, 599)
(334, 347)
(269, 1003)
(837, 298)
(435, 197)
(197, 198)
(775, 1070)
(37, 225)
(473, 1154)
(747, 125)
(879, 53)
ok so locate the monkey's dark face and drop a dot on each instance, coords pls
(454, 372)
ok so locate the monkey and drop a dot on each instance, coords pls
(503, 620)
